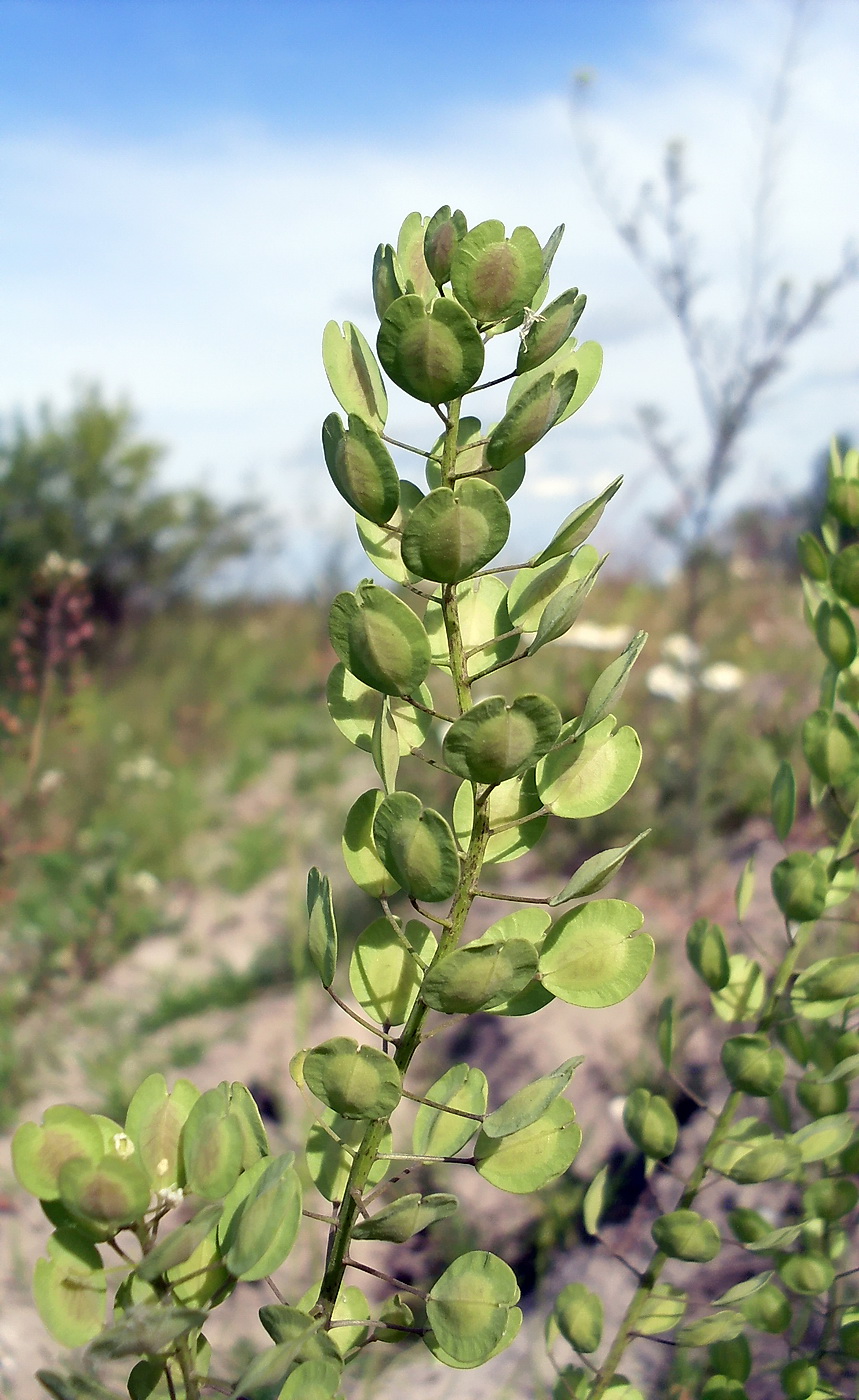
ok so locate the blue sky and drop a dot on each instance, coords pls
(192, 188)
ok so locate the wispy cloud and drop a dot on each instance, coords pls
(196, 275)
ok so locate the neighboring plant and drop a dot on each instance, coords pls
(789, 1064)
(440, 296)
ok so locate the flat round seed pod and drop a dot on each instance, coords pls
(495, 741)
(763, 1159)
(467, 1307)
(824, 1138)
(354, 708)
(471, 458)
(361, 467)
(411, 258)
(110, 1192)
(434, 354)
(509, 801)
(154, 1122)
(495, 277)
(406, 1217)
(312, 1380)
(707, 951)
(845, 574)
(416, 845)
(743, 995)
(552, 330)
(388, 282)
(440, 1134)
(528, 1160)
(476, 978)
(483, 616)
(807, 1274)
(39, 1151)
(752, 1064)
(800, 885)
(589, 775)
(584, 360)
(178, 1246)
(579, 1315)
(212, 1146)
(830, 1198)
(353, 374)
(384, 976)
(360, 855)
(767, 1310)
(510, 1333)
(379, 639)
(329, 1163)
(530, 1103)
(663, 1310)
(443, 232)
(684, 1234)
(649, 1119)
(355, 1081)
(531, 417)
(595, 955)
(452, 533)
(261, 1218)
(530, 924)
(830, 743)
(381, 543)
(70, 1289)
(532, 589)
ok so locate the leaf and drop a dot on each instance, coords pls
(594, 955)
(360, 855)
(477, 978)
(353, 374)
(440, 1134)
(434, 354)
(532, 589)
(39, 1151)
(416, 846)
(385, 978)
(406, 1217)
(355, 1081)
(783, 800)
(556, 325)
(154, 1122)
(743, 995)
(495, 277)
(453, 532)
(379, 639)
(355, 707)
(666, 1031)
(529, 1159)
(322, 926)
(824, 1138)
(517, 798)
(494, 741)
(595, 873)
(562, 610)
(70, 1289)
(530, 1103)
(588, 775)
(328, 1163)
(577, 526)
(467, 1307)
(745, 888)
(594, 1201)
(361, 467)
(718, 1327)
(385, 746)
(610, 685)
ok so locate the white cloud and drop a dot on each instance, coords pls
(197, 275)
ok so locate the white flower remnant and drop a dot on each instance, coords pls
(668, 683)
(722, 677)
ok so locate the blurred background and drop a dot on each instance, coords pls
(191, 189)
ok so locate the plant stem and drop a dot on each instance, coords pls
(724, 1119)
(189, 1376)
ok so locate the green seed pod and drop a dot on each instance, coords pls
(355, 1081)
(477, 978)
(753, 1065)
(783, 800)
(110, 1192)
(154, 1122)
(748, 1225)
(361, 468)
(720, 1387)
(842, 500)
(830, 743)
(530, 417)
(684, 1234)
(808, 1274)
(212, 1145)
(495, 277)
(40, 1151)
(649, 1119)
(732, 1359)
(800, 886)
(831, 978)
(813, 558)
(845, 574)
(708, 953)
(830, 1198)
(379, 639)
(551, 330)
(793, 1039)
(451, 534)
(444, 232)
(417, 846)
(767, 1310)
(494, 741)
(846, 1046)
(821, 1100)
(848, 1337)
(397, 1315)
(799, 1378)
(388, 283)
(836, 635)
(579, 1315)
(434, 354)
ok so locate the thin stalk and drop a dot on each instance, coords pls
(490, 383)
(189, 1375)
(658, 1260)
(367, 1025)
(445, 1108)
(407, 447)
(386, 1278)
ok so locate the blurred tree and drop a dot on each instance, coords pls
(83, 485)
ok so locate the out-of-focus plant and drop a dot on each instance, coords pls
(789, 1065)
(403, 688)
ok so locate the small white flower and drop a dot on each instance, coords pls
(669, 684)
(722, 677)
(144, 769)
(122, 1145)
(593, 636)
(50, 780)
(171, 1196)
(145, 883)
(681, 650)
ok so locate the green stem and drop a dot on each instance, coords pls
(189, 1375)
(463, 898)
(658, 1260)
